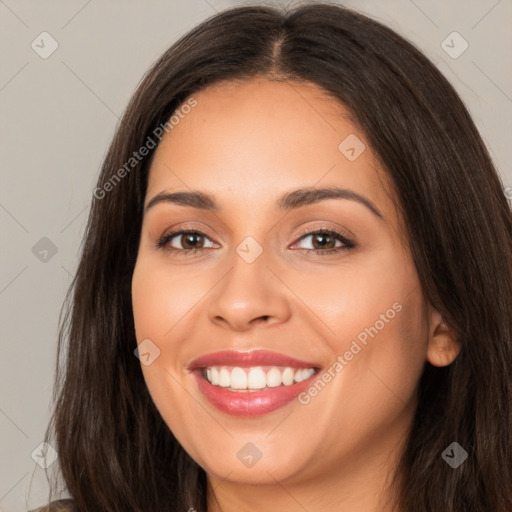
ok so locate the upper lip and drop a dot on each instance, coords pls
(248, 359)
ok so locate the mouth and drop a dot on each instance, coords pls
(251, 383)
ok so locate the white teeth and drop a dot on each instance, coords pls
(303, 374)
(238, 379)
(288, 376)
(255, 378)
(224, 378)
(298, 376)
(307, 372)
(274, 378)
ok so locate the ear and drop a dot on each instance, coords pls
(443, 343)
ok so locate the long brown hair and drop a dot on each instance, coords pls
(115, 451)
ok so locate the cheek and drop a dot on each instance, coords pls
(374, 318)
(158, 305)
(351, 297)
(377, 362)
(160, 299)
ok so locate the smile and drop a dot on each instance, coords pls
(251, 383)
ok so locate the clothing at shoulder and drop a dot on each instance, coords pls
(57, 506)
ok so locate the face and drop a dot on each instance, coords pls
(310, 300)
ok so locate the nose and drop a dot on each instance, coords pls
(249, 294)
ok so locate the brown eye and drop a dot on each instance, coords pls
(184, 241)
(326, 241)
(191, 240)
(323, 241)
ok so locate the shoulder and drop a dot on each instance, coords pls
(57, 506)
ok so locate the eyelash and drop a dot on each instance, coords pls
(347, 244)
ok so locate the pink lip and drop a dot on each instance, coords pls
(246, 359)
(249, 403)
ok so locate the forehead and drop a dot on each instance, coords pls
(257, 139)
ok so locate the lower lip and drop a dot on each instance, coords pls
(250, 403)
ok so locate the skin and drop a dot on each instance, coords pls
(246, 144)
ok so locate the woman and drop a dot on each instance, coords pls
(295, 291)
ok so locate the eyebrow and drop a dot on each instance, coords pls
(290, 200)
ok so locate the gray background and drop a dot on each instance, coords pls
(58, 116)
